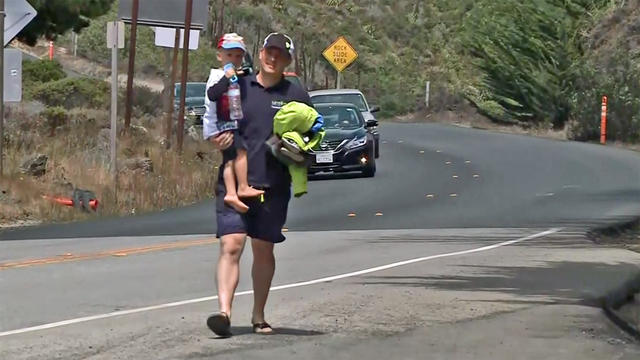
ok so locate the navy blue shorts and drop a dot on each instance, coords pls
(263, 221)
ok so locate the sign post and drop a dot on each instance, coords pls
(115, 41)
(340, 54)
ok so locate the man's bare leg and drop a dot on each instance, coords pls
(227, 277)
(231, 198)
(231, 247)
(264, 265)
(241, 167)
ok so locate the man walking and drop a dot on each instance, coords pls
(263, 95)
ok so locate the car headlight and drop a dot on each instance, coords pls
(359, 141)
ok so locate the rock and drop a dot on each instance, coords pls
(144, 165)
(35, 166)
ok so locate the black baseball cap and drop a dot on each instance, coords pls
(280, 41)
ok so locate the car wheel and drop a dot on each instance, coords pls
(377, 149)
(370, 170)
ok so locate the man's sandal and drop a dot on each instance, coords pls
(220, 324)
(262, 328)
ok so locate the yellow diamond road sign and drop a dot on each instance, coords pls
(340, 54)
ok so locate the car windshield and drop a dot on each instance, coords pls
(193, 90)
(355, 99)
(343, 118)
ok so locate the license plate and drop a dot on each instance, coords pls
(325, 157)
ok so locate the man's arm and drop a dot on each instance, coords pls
(214, 93)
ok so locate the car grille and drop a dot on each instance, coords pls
(330, 145)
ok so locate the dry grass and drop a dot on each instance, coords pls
(78, 158)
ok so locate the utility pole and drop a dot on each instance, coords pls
(185, 65)
(132, 60)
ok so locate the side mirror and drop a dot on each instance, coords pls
(374, 109)
(372, 123)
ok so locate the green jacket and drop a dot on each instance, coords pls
(292, 121)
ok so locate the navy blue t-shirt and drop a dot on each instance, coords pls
(259, 106)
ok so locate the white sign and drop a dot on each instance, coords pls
(112, 32)
(18, 14)
(165, 37)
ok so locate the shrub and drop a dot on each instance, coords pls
(146, 100)
(36, 72)
(55, 116)
(40, 71)
(74, 92)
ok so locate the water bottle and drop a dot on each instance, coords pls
(233, 94)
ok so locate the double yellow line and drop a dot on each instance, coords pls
(69, 257)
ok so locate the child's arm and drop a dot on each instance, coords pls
(214, 93)
(210, 117)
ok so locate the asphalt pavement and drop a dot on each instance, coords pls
(467, 244)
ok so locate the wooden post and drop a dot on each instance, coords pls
(132, 60)
(185, 66)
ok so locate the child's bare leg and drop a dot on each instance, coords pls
(231, 198)
(240, 167)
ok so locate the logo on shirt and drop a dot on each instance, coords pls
(277, 104)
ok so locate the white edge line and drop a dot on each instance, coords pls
(280, 287)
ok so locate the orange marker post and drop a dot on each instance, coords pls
(50, 50)
(603, 122)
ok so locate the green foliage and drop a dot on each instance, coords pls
(524, 52)
(74, 92)
(620, 82)
(55, 17)
(144, 99)
(54, 116)
(37, 72)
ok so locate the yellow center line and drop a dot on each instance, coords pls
(102, 254)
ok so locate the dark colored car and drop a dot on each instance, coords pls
(347, 145)
(194, 100)
(351, 96)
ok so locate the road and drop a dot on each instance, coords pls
(467, 244)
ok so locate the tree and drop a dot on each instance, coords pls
(56, 17)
